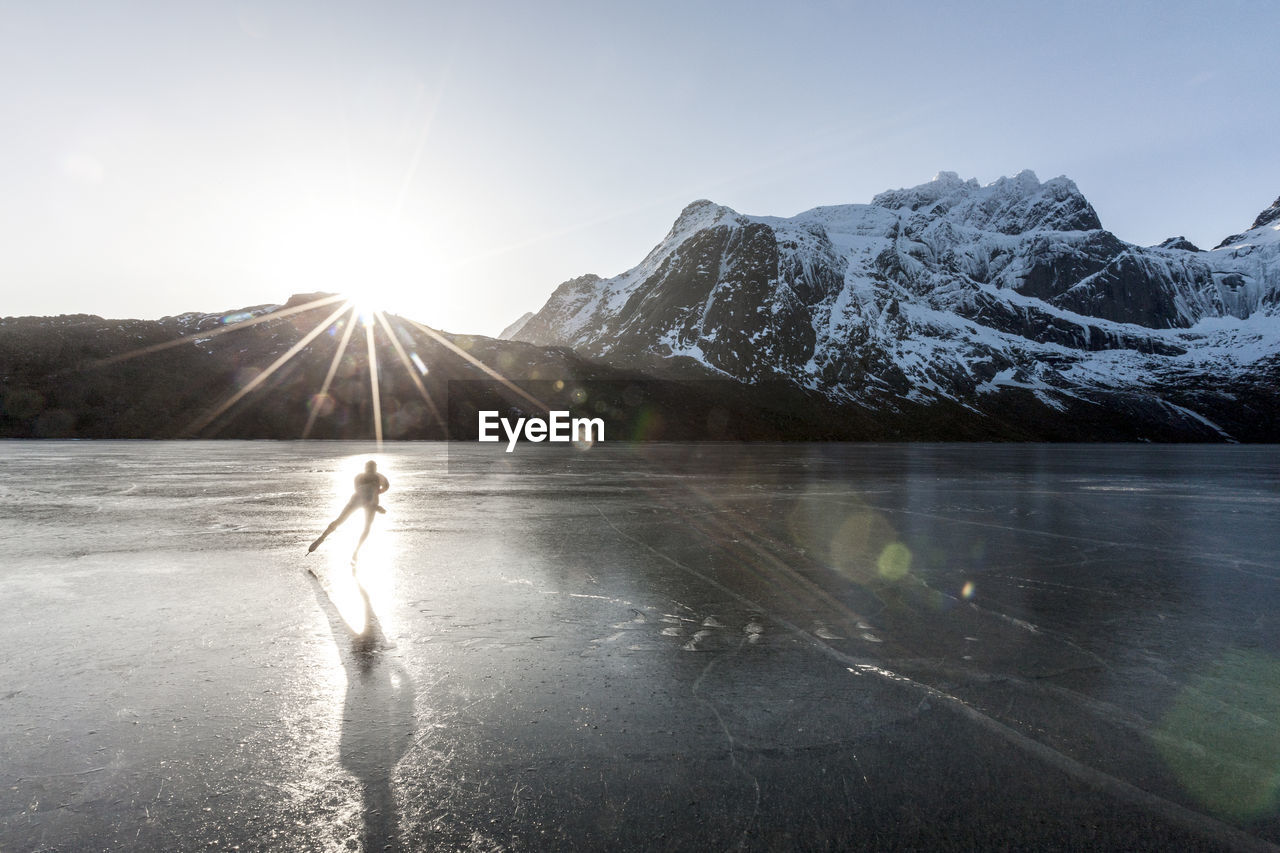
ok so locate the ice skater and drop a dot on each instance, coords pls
(369, 485)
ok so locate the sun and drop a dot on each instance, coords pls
(355, 263)
(377, 262)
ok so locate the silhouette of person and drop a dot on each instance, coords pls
(369, 485)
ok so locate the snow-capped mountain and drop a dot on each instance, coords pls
(981, 297)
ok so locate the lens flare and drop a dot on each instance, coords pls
(894, 561)
(1221, 740)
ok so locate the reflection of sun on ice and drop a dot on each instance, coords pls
(372, 576)
(378, 263)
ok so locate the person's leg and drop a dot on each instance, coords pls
(333, 525)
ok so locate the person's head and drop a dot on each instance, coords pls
(370, 466)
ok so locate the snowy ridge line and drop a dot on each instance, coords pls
(1076, 770)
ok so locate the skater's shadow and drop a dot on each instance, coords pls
(377, 717)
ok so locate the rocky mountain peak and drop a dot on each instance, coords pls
(945, 185)
(701, 214)
(1178, 242)
(1268, 216)
(1008, 205)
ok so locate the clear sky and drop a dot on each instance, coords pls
(459, 160)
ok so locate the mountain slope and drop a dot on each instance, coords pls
(955, 293)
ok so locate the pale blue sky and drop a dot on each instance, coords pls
(162, 157)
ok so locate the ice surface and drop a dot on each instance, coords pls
(654, 647)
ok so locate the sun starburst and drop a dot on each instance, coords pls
(379, 328)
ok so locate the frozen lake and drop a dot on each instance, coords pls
(680, 647)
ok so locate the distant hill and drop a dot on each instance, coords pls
(202, 375)
(301, 370)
